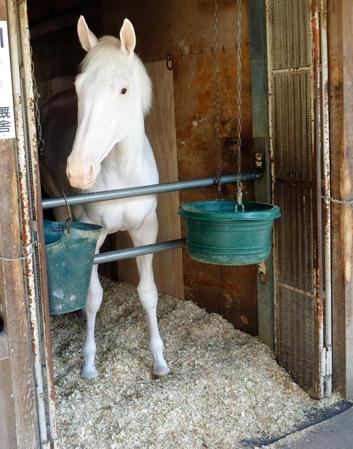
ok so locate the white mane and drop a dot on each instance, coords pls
(107, 53)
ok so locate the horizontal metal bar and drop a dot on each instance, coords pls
(146, 190)
(128, 253)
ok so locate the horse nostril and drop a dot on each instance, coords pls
(91, 171)
(80, 173)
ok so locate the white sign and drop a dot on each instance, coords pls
(7, 123)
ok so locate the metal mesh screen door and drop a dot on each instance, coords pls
(292, 56)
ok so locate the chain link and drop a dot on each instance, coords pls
(40, 140)
(218, 112)
(336, 201)
(239, 193)
(239, 187)
(12, 259)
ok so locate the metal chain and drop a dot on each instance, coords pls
(239, 192)
(40, 140)
(217, 101)
(336, 201)
(11, 259)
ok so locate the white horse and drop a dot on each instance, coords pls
(111, 151)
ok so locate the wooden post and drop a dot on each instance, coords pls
(260, 127)
(340, 28)
(18, 408)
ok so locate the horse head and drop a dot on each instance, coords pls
(113, 92)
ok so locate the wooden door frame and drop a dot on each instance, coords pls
(27, 418)
(18, 409)
(340, 31)
(18, 406)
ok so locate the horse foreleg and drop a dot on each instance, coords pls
(94, 300)
(147, 291)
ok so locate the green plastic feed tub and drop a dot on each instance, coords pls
(69, 254)
(219, 234)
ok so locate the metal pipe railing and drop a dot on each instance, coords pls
(146, 190)
(128, 253)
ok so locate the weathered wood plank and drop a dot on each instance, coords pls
(340, 14)
(7, 412)
(17, 325)
(160, 128)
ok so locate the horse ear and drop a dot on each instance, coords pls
(87, 39)
(127, 37)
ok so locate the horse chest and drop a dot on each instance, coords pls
(120, 215)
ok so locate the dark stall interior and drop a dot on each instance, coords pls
(190, 141)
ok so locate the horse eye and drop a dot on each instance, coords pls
(123, 91)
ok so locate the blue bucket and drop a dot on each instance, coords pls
(70, 250)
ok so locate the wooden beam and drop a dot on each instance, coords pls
(260, 130)
(340, 27)
(64, 21)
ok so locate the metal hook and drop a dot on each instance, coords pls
(68, 221)
(239, 206)
(170, 62)
(218, 181)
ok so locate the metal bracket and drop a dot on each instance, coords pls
(262, 272)
(258, 149)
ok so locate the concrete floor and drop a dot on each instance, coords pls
(334, 433)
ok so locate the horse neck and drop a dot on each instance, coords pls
(128, 154)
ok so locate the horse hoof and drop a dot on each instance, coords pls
(160, 371)
(88, 373)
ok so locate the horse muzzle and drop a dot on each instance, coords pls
(81, 177)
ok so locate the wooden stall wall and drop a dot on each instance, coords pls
(160, 129)
(186, 31)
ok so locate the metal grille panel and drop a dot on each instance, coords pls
(294, 236)
(292, 124)
(291, 33)
(298, 303)
(297, 340)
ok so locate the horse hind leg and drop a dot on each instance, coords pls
(147, 291)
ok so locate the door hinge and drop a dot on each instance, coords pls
(326, 370)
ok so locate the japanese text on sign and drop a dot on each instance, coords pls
(7, 124)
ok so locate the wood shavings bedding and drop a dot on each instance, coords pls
(225, 387)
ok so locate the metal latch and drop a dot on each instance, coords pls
(259, 161)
